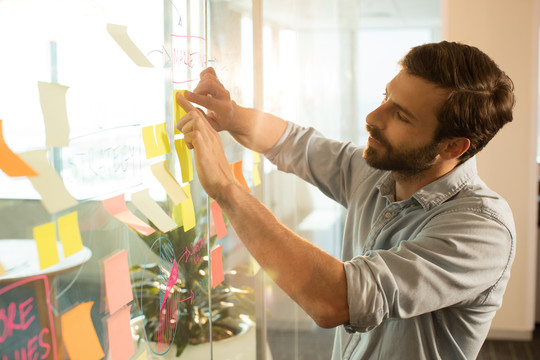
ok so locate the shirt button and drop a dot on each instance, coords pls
(388, 215)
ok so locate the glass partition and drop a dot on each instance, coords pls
(109, 247)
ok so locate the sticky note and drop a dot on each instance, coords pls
(79, 334)
(236, 168)
(2, 270)
(216, 257)
(117, 281)
(69, 233)
(52, 97)
(256, 157)
(11, 163)
(120, 340)
(178, 111)
(187, 209)
(150, 208)
(256, 175)
(172, 280)
(116, 206)
(45, 236)
(120, 35)
(169, 183)
(184, 157)
(219, 223)
(156, 141)
(54, 195)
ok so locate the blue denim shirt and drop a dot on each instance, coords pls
(424, 275)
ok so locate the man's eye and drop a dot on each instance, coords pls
(401, 117)
(385, 97)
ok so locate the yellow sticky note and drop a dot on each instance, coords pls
(45, 236)
(186, 163)
(156, 141)
(70, 235)
(256, 157)
(187, 209)
(2, 270)
(79, 334)
(120, 35)
(53, 105)
(169, 183)
(256, 175)
(120, 340)
(178, 111)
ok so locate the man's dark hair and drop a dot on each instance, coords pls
(481, 97)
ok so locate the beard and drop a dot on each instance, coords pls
(407, 162)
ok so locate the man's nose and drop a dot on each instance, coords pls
(377, 117)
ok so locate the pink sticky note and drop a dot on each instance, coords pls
(116, 206)
(120, 340)
(217, 266)
(219, 223)
(170, 283)
(117, 281)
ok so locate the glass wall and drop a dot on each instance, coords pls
(109, 247)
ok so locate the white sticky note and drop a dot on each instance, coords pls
(120, 35)
(53, 105)
(169, 183)
(150, 208)
(54, 195)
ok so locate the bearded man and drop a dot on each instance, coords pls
(427, 246)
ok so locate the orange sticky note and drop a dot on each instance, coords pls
(216, 258)
(120, 340)
(178, 110)
(219, 223)
(70, 235)
(117, 207)
(187, 209)
(236, 168)
(79, 334)
(11, 163)
(156, 141)
(184, 156)
(117, 281)
(45, 236)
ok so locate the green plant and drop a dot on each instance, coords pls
(230, 309)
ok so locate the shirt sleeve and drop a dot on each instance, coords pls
(459, 258)
(332, 166)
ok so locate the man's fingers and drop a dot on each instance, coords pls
(183, 102)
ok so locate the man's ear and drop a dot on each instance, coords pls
(454, 148)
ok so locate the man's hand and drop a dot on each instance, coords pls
(210, 160)
(211, 94)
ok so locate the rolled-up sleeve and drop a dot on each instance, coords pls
(458, 257)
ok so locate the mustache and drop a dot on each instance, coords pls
(375, 133)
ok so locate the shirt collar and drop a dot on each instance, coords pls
(438, 191)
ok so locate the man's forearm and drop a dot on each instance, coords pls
(259, 130)
(310, 276)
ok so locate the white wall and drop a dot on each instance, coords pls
(508, 32)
